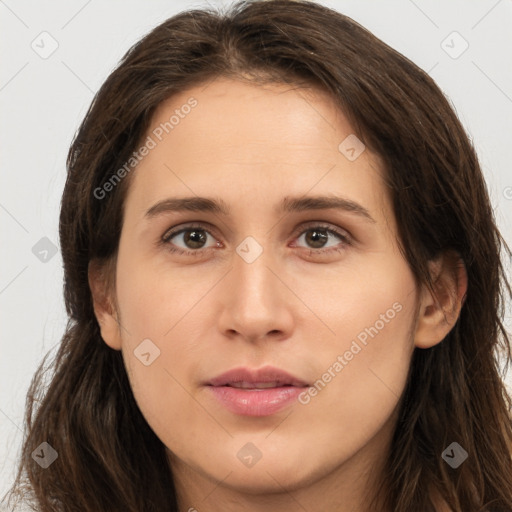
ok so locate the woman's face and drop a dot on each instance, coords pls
(275, 281)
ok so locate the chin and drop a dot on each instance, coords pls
(277, 468)
(265, 480)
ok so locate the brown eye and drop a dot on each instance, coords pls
(194, 239)
(188, 240)
(317, 238)
(323, 237)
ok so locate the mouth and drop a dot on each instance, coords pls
(261, 392)
(257, 385)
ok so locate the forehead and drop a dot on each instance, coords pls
(244, 141)
(279, 116)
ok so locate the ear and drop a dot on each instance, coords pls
(104, 310)
(438, 314)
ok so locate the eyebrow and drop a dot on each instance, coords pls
(288, 205)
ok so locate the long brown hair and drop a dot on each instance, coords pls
(108, 457)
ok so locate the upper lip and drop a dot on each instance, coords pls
(256, 376)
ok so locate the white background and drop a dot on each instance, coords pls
(42, 102)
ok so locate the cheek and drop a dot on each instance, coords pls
(362, 369)
(163, 309)
(154, 298)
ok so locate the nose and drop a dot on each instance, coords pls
(257, 304)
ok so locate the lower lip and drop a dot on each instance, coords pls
(251, 402)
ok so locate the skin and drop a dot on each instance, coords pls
(294, 307)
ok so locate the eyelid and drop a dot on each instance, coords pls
(175, 230)
(327, 226)
(343, 234)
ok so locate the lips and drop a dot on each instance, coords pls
(266, 377)
(261, 392)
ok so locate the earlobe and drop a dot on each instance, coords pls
(439, 312)
(104, 310)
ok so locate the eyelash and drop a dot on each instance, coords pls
(345, 238)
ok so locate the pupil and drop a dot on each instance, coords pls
(318, 236)
(199, 238)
